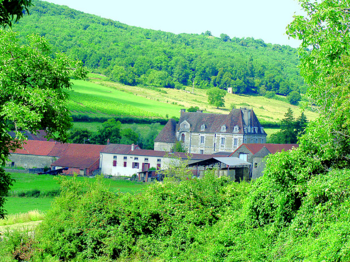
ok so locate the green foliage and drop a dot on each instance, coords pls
(110, 131)
(5, 183)
(193, 109)
(178, 147)
(32, 68)
(216, 97)
(270, 94)
(12, 11)
(290, 129)
(165, 220)
(136, 56)
(80, 136)
(294, 97)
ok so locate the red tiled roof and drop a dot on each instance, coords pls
(76, 155)
(35, 147)
(272, 148)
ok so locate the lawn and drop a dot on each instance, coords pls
(44, 183)
(266, 109)
(99, 97)
(93, 99)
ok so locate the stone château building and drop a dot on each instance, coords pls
(202, 133)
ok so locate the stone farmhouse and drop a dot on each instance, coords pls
(255, 153)
(202, 133)
(127, 160)
(82, 159)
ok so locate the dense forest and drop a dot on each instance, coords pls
(137, 56)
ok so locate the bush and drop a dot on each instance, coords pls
(294, 97)
(270, 94)
(164, 220)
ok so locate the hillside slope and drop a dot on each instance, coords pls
(136, 56)
(100, 97)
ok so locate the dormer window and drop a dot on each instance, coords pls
(185, 125)
(223, 128)
(203, 127)
(236, 129)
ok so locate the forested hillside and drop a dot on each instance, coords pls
(136, 56)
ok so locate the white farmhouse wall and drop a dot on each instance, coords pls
(128, 169)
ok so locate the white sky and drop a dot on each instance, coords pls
(261, 19)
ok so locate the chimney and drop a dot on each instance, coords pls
(182, 111)
(107, 141)
(199, 111)
(132, 147)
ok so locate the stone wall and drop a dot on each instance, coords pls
(30, 161)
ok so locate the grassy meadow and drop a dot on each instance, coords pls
(27, 183)
(99, 100)
(100, 96)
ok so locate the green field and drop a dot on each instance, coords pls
(99, 97)
(15, 205)
(44, 183)
(98, 100)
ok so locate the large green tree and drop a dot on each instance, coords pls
(12, 10)
(32, 94)
(325, 146)
(216, 97)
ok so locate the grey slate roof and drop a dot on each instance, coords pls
(168, 133)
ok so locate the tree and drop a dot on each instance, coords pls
(294, 97)
(111, 130)
(13, 10)
(193, 109)
(291, 129)
(178, 147)
(32, 94)
(225, 37)
(80, 136)
(128, 136)
(216, 97)
(301, 124)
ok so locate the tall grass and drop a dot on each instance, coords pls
(34, 215)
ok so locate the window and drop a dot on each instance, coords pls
(114, 157)
(159, 166)
(222, 141)
(236, 129)
(146, 159)
(235, 142)
(114, 162)
(243, 156)
(135, 165)
(203, 127)
(255, 165)
(159, 160)
(201, 152)
(262, 129)
(202, 139)
(136, 158)
(183, 138)
(125, 157)
(223, 128)
(125, 164)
